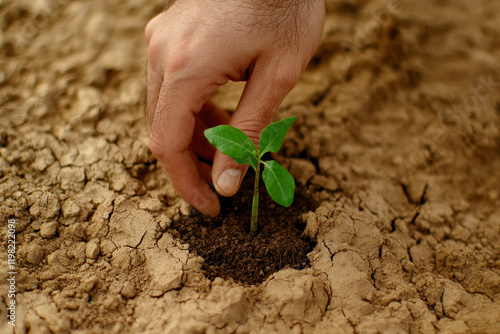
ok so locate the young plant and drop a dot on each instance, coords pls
(237, 145)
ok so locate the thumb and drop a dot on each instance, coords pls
(265, 90)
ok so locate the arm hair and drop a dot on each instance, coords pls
(283, 17)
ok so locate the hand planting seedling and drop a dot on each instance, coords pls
(237, 145)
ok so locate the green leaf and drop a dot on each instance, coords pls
(249, 160)
(234, 143)
(279, 183)
(273, 135)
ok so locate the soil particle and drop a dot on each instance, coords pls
(48, 230)
(70, 209)
(44, 205)
(302, 170)
(422, 256)
(90, 283)
(72, 178)
(77, 251)
(166, 271)
(92, 249)
(122, 258)
(415, 188)
(35, 253)
(131, 226)
(43, 159)
(297, 297)
(128, 290)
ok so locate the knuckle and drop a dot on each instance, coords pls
(156, 147)
(150, 27)
(176, 60)
(157, 141)
(148, 32)
(287, 77)
(253, 127)
(154, 48)
(171, 60)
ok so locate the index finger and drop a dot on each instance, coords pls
(171, 132)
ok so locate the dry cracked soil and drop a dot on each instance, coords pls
(397, 144)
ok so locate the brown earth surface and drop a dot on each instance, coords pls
(231, 251)
(397, 140)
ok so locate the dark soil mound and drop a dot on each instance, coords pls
(230, 250)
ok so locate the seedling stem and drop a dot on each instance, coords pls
(255, 202)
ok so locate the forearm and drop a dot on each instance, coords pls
(264, 8)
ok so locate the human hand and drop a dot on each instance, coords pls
(196, 47)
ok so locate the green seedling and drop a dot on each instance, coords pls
(237, 145)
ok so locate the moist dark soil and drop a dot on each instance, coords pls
(230, 251)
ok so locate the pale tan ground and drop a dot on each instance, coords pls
(399, 136)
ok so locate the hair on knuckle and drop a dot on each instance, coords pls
(284, 18)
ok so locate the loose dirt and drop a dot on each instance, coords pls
(397, 141)
(230, 251)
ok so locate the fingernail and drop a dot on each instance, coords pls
(229, 180)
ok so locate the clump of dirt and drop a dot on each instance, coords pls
(230, 251)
